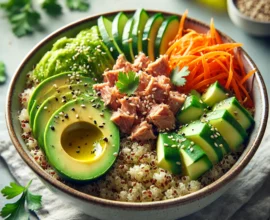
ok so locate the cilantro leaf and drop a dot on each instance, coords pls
(3, 76)
(12, 191)
(16, 210)
(127, 82)
(52, 7)
(177, 77)
(77, 5)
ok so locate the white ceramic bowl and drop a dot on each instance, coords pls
(249, 25)
(107, 209)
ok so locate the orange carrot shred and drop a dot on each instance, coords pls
(247, 76)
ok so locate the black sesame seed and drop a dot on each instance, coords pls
(77, 151)
(95, 122)
(73, 109)
(56, 99)
(101, 126)
(52, 128)
(105, 139)
(66, 116)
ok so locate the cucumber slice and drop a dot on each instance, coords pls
(228, 127)
(193, 108)
(150, 33)
(207, 138)
(105, 29)
(127, 40)
(194, 160)
(194, 92)
(118, 25)
(214, 94)
(140, 19)
(168, 153)
(240, 114)
(166, 33)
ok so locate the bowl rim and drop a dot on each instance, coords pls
(232, 3)
(207, 190)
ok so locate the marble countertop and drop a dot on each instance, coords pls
(13, 49)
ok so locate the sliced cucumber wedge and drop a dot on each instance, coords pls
(150, 33)
(192, 110)
(241, 115)
(140, 19)
(127, 40)
(228, 127)
(105, 29)
(166, 33)
(214, 94)
(118, 25)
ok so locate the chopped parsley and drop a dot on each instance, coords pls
(127, 82)
(77, 5)
(3, 76)
(52, 7)
(177, 77)
(17, 210)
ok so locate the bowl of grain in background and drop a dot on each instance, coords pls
(253, 16)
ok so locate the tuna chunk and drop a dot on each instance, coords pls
(159, 67)
(122, 63)
(142, 132)
(110, 95)
(144, 80)
(141, 62)
(129, 104)
(123, 120)
(111, 76)
(176, 100)
(162, 117)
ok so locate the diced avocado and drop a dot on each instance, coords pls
(168, 153)
(85, 53)
(118, 25)
(214, 94)
(150, 33)
(105, 29)
(166, 34)
(193, 108)
(127, 40)
(241, 115)
(194, 160)
(228, 127)
(84, 145)
(84, 86)
(140, 18)
(207, 138)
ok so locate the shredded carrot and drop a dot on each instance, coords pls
(209, 60)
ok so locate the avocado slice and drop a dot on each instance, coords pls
(204, 135)
(241, 115)
(84, 86)
(193, 108)
(214, 94)
(84, 145)
(228, 127)
(150, 33)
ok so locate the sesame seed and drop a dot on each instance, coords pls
(77, 116)
(83, 106)
(115, 154)
(178, 163)
(45, 107)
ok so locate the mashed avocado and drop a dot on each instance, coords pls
(85, 53)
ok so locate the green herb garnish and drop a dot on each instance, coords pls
(52, 7)
(127, 82)
(17, 210)
(77, 5)
(22, 16)
(3, 76)
(177, 77)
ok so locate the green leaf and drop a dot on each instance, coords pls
(33, 201)
(12, 191)
(127, 82)
(177, 77)
(78, 5)
(52, 7)
(3, 76)
(14, 211)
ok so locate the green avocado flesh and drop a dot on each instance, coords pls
(228, 127)
(207, 138)
(85, 53)
(84, 86)
(84, 145)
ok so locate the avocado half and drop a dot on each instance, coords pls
(80, 140)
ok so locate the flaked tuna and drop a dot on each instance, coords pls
(176, 100)
(141, 62)
(142, 132)
(123, 120)
(159, 67)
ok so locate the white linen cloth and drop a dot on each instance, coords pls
(248, 198)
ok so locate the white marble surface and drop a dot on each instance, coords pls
(13, 50)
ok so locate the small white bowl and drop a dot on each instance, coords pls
(249, 25)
